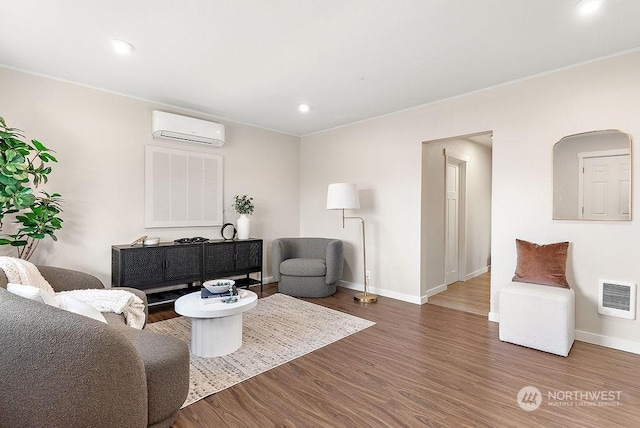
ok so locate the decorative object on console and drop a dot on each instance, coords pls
(542, 264)
(194, 240)
(139, 241)
(244, 225)
(344, 196)
(226, 234)
(244, 207)
(24, 169)
(151, 241)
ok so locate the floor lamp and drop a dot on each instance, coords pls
(344, 196)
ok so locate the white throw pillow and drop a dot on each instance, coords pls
(33, 293)
(76, 306)
(60, 301)
(49, 298)
(26, 291)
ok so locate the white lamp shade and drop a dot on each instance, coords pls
(342, 196)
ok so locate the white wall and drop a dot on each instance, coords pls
(382, 160)
(99, 139)
(383, 156)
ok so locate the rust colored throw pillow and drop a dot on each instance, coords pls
(542, 264)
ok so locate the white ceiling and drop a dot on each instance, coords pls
(253, 61)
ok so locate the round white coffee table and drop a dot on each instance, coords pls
(216, 328)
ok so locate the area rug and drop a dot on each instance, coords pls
(278, 330)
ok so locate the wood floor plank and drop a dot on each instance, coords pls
(422, 366)
(473, 295)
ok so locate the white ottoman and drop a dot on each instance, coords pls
(538, 316)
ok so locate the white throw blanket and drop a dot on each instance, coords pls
(123, 302)
(20, 271)
(116, 301)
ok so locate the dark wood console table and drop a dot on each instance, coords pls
(151, 267)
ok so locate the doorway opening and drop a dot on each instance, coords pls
(456, 222)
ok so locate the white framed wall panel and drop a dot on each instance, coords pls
(182, 188)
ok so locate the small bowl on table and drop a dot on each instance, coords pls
(217, 286)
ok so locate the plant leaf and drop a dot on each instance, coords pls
(39, 146)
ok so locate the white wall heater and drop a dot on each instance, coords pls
(617, 299)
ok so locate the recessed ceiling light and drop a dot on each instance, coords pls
(303, 108)
(121, 47)
(586, 7)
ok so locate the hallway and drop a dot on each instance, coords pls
(471, 296)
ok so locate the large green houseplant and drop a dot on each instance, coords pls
(23, 167)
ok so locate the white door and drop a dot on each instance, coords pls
(606, 188)
(452, 216)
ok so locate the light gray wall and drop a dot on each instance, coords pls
(479, 173)
(99, 139)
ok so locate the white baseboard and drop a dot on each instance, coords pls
(594, 339)
(435, 290)
(477, 273)
(443, 287)
(583, 336)
(609, 342)
(268, 280)
(382, 292)
(432, 292)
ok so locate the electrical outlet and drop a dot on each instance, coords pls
(368, 275)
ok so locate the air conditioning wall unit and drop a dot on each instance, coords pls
(188, 129)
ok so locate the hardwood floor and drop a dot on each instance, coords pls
(424, 366)
(470, 296)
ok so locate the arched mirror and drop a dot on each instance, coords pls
(592, 176)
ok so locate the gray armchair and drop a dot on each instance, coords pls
(307, 267)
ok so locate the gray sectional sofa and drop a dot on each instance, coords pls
(60, 369)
